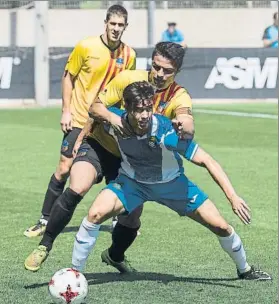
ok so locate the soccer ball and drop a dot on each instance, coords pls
(68, 286)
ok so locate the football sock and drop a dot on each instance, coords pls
(60, 216)
(122, 239)
(43, 220)
(54, 190)
(232, 244)
(85, 241)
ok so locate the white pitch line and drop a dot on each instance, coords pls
(240, 114)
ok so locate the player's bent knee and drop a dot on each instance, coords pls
(95, 216)
(81, 187)
(106, 205)
(209, 216)
(223, 229)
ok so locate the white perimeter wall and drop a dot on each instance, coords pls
(201, 27)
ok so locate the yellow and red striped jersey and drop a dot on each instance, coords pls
(166, 101)
(94, 65)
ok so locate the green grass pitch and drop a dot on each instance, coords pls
(178, 261)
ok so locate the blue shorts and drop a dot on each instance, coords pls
(180, 194)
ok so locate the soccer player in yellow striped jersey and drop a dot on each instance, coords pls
(92, 64)
(171, 99)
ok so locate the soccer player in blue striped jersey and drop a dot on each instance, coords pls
(152, 170)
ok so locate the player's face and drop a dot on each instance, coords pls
(115, 27)
(171, 29)
(140, 116)
(162, 72)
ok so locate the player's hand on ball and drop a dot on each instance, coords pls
(66, 121)
(241, 209)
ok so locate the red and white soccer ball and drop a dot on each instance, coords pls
(68, 286)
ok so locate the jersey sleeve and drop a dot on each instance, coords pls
(76, 59)
(168, 138)
(116, 111)
(191, 150)
(181, 104)
(132, 61)
(180, 36)
(266, 34)
(186, 147)
(182, 100)
(113, 92)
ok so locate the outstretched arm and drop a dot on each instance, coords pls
(192, 152)
(240, 208)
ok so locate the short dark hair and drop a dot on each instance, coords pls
(171, 23)
(170, 50)
(275, 15)
(117, 10)
(137, 92)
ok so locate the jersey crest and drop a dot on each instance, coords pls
(119, 62)
(161, 107)
(152, 142)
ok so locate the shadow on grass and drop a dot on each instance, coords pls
(103, 278)
(104, 228)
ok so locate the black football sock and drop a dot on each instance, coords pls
(60, 216)
(122, 239)
(54, 190)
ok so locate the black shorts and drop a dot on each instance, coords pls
(68, 142)
(105, 163)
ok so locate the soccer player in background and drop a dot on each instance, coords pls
(99, 156)
(152, 170)
(91, 65)
(172, 34)
(270, 36)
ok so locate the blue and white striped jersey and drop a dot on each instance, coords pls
(154, 157)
